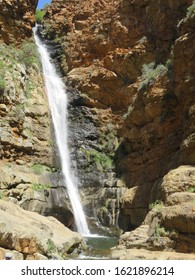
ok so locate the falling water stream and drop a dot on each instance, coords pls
(57, 98)
(98, 246)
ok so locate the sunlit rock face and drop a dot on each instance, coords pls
(28, 164)
(131, 106)
(31, 236)
(142, 118)
(16, 20)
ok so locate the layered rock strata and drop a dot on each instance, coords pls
(124, 60)
(131, 114)
(29, 168)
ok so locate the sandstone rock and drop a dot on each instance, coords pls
(179, 198)
(29, 233)
(142, 254)
(134, 206)
(172, 227)
(187, 149)
(98, 83)
(135, 238)
(177, 180)
(177, 218)
(14, 175)
(103, 60)
(16, 255)
(163, 236)
(25, 128)
(17, 19)
(41, 193)
(138, 244)
(48, 202)
(36, 256)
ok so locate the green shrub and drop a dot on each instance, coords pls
(39, 15)
(1, 195)
(2, 84)
(48, 31)
(12, 60)
(9, 57)
(160, 231)
(40, 187)
(157, 204)
(29, 88)
(51, 247)
(192, 190)
(40, 168)
(98, 159)
(150, 73)
(108, 142)
(28, 54)
(169, 63)
(191, 10)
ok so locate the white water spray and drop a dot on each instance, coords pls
(57, 98)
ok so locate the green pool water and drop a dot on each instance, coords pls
(98, 247)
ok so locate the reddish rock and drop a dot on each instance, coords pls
(16, 20)
(104, 46)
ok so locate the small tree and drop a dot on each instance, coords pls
(39, 15)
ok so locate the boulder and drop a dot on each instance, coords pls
(172, 227)
(30, 233)
(178, 180)
(134, 206)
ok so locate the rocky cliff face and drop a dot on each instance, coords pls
(29, 169)
(16, 20)
(129, 67)
(125, 62)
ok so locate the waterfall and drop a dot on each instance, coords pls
(57, 99)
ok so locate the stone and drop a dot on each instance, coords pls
(172, 227)
(143, 122)
(187, 149)
(177, 180)
(177, 218)
(142, 254)
(104, 65)
(30, 233)
(15, 255)
(135, 238)
(179, 198)
(134, 206)
(17, 19)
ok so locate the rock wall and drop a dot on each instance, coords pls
(16, 20)
(159, 128)
(124, 60)
(29, 168)
(131, 112)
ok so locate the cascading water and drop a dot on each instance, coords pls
(57, 98)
